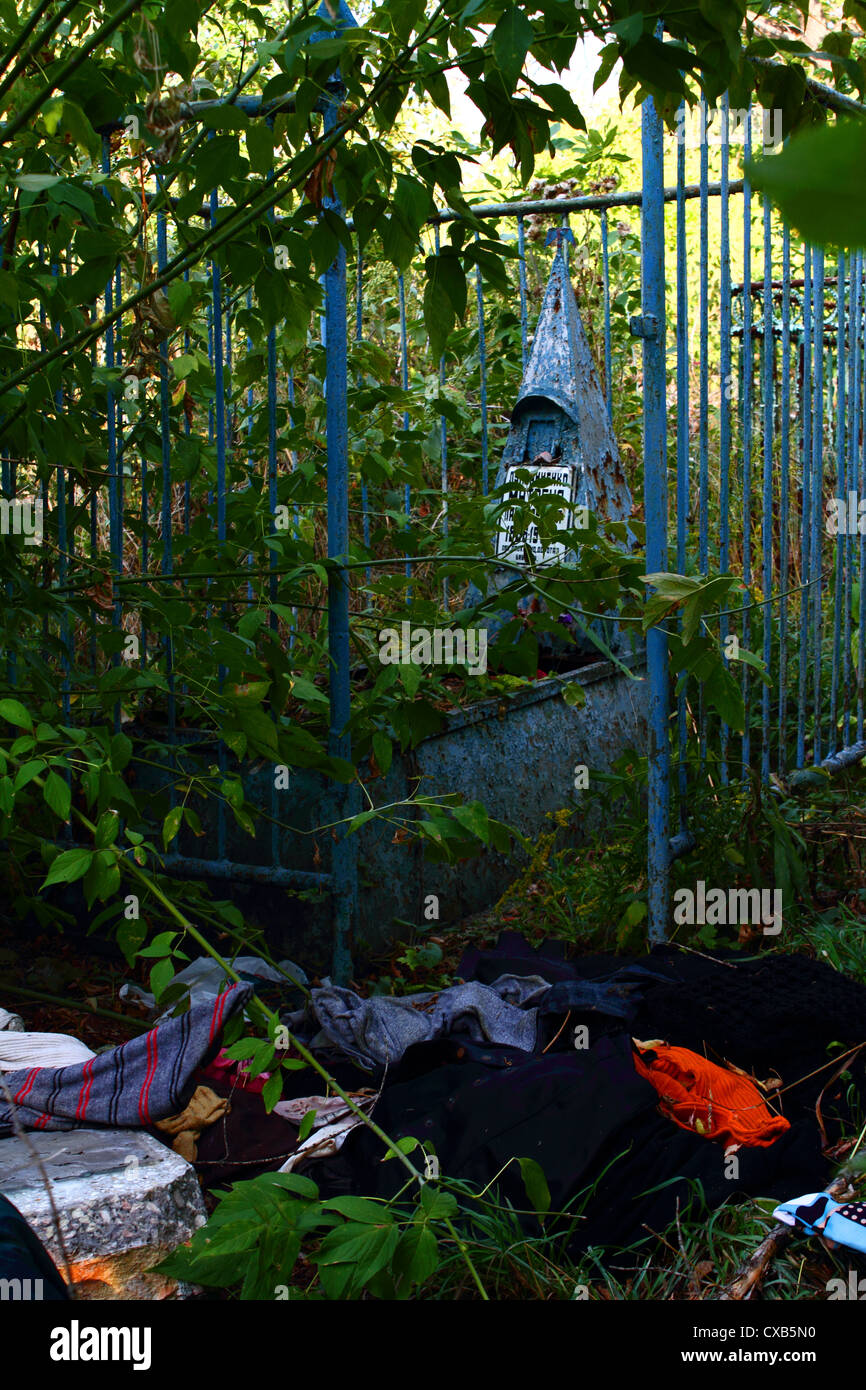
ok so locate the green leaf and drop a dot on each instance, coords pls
(445, 297)
(511, 41)
(410, 678)
(260, 730)
(14, 713)
(671, 586)
(816, 181)
(416, 1258)
(171, 825)
(161, 976)
(382, 751)
(130, 935)
(306, 1126)
(536, 1185)
(474, 818)
(37, 183)
(70, 865)
(358, 1209)
(160, 945)
(58, 795)
(121, 751)
(272, 1090)
(574, 695)
(107, 829)
(406, 1145)
(365, 1248)
(438, 1204)
(27, 772)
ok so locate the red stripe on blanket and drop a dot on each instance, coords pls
(28, 1085)
(216, 1021)
(144, 1096)
(86, 1088)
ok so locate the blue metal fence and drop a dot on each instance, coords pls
(784, 429)
(774, 377)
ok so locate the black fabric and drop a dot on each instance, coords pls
(559, 1109)
(779, 1011)
(24, 1257)
(592, 1124)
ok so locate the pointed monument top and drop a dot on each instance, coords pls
(556, 366)
(561, 372)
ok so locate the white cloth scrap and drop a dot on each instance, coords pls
(20, 1050)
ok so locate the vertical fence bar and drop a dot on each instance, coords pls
(683, 442)
(605, 287)
(726, 389)
(521, 272)
(853, 421)
(840, 492)
(404, 381)
(344, 855)
(784, 499)
(443, 423)
(767, 517)
(219, 344)
(63, 550)
(861, 492)
(482, 374)
(359, 337)
(817, 496)
(656, 506)
(746, 428)
(273, 583)
(115, 509)
(165, 441)
(704, 378)
(805, 504)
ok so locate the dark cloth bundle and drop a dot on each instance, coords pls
(580, 1110)
(147, 1079)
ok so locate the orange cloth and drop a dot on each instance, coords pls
(709, 1100)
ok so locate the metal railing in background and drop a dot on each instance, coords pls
(779, 434)
(771, 375)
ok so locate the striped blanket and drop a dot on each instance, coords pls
(147, 1079)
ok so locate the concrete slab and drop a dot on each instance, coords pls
(124, 1201)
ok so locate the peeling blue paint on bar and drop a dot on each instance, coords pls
(656, 508)
(482, 376)
(817, 527)
(784, 499)
(725, 372)
(768, 355)
(683, 444)
(839, 584)
(858, 472)
(806, 504)
(521, 252)
(852, 416)
(746, 401)
(404, 381)
(344, 868)
(605, 289)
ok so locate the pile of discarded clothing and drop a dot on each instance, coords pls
(639, 1087)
